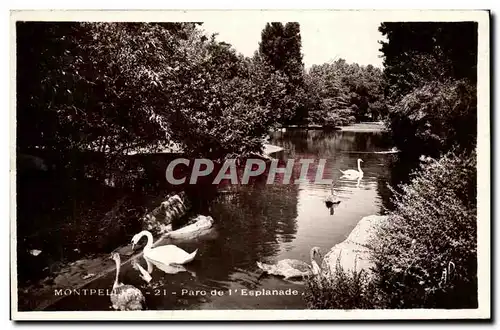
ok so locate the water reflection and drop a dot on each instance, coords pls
(167, 269)
(268, 222)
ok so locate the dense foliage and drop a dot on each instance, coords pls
(416, 52)
(425, 255)
(280, 49)
(427, 252)
(341, 289)
(436, 117)
(345, 93)
(430, 70)
(111, 86)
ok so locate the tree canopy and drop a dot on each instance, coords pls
(346, 93)
(110, 86)
(280, 49)
(430, 70)
(416, 52)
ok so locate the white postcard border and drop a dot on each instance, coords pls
(483, 161)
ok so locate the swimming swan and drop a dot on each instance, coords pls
(162, 255)
(331, 200)
(292, 268)
(125, 297)
(353, 174)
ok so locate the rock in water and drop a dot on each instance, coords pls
(159, 221)
(174, 208)
(35, 252)
(201, 226)
(354, 252)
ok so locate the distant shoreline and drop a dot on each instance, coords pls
(365, 127)
(375, 126)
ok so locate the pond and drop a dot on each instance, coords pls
(267, 222)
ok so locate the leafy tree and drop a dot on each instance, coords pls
(349, 92)
(280, 49)
(430, 70)
(294, 67)
(436, 117)
(87, 80)
(115, 86)
(272, 47)
(416, 52)
(45, 79)
(426, 255)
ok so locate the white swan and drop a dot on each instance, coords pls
(353, 174)
(174, 269)
(162, 255)
(125, 297)
(292, 268)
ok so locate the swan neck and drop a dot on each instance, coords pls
(359, 165)
(149, 236)
(117, 262)
(312, 256)
(150, 265)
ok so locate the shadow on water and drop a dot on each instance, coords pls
(266, 222)
(81, 206)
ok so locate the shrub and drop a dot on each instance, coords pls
(426, 254)
(342, 290)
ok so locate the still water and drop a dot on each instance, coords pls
(267, 222)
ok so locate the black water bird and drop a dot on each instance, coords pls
(331, 199)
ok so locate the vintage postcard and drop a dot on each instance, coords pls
(250, 165)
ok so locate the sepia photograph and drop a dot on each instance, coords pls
(250, 165)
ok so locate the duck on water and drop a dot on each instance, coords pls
(331, 199)
(293, 268)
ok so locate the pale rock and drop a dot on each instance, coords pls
(200, 226)
(35, 252)
(354, 252)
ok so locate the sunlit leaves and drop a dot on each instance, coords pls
(347, 92)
